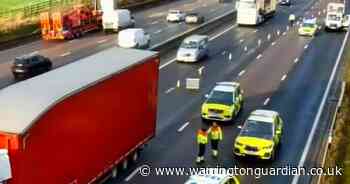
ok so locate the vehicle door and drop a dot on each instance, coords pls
(202, 48)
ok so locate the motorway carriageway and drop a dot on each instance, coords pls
(153, 20)
(286, 73)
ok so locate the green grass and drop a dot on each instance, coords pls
(338, 154)
(12, 4)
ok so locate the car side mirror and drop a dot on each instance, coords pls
(206, 95)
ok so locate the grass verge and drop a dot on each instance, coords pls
(338, 153)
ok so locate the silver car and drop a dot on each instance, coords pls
(193, 48)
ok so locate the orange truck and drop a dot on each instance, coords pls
(70, 24)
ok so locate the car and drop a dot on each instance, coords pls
(28, 66)
(308, 27)
(285, 2)
(213, 176)
(223, 103)
(134, 38)
(193, 48)
(194, 18)
(260, 135)
(175, 16)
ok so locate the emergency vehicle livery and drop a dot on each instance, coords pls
(66, 126)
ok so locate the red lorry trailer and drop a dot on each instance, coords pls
(75, 124)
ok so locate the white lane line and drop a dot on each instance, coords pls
(284, 77)
(259, 56)
(158, 31)
(183, 127)
(155, 22)
(169, 90)
(320, 110)
(255, 31)
(266, 101)
(102, 41)
(284, 33)
(306, 46)
(296, 60)
(273, 43)
(65, 54)
(241, 40)
(241, 73)
(239, 127)
(223, 32)
(71, 41)
(210, 39)
(132, 174)
(230, 57)
(223, 52)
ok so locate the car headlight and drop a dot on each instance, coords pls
(267, 147)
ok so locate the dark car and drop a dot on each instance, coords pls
(194, 18)
(285, 2)
(30, 65)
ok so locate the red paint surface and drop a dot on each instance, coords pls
(88, 132)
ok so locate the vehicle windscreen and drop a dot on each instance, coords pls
(174, 12)
(333, 17)
(258, 129)
(221, 97)
(308, 25)
(189, 45)
(246, 5)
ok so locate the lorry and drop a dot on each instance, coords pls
(336, 18)
(81, 122)
(74, 23)
(113, 20)
(254, 12)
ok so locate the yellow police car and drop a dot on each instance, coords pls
(260, 135)
(213, 176)
(308, 27)
(223, 103)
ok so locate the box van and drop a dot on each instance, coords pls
(134, 38)
(115, 20)
(193, 48)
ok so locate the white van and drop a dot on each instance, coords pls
(115, 20)
(134, 38)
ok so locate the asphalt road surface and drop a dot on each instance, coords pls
(286, 73)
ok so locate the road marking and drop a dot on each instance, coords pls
(241, 40)
(132, 174)
(284, 77)
(155, 22)
(268, 37)
(239, 127)
(210, 39)
(230, 57)
(169, 90)
(273, 43)
(259, 56)
(241, 73)
(306, 46)
(65, 54)
(223, 52)
(320, 109)
(71, 41)
(102, 41)
(266, 101)
(296, 60)
(223, 32)
(245, 49)
(183, 127)
(178, 83)
(158, 31)
(255, 31)
(284, 33)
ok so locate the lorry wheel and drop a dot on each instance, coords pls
(114, 172)
(125, 164)
(135, 156)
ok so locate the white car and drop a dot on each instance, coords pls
(193, 48)
(134, 38)
(175, 16)
(213, 176)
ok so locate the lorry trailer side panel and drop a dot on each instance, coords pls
(85, 134)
